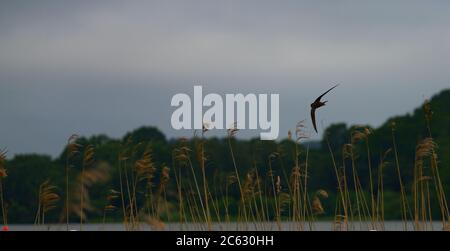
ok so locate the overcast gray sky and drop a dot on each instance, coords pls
(92, 67)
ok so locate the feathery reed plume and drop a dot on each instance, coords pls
(127, 180)
(88, 162)
(363, 135)
(71, 151)
(201, 158)
(276, 188)
(405, 205)
(299, 179)
(2, 176)
(130, 180)
(84, 181)
(361, 203)
(252, 192)
(317, 204)
(231, 133)
(144, 171)
(347, 153)
(301, 134)
(424, 149)
(112, 196)
(280, 152)
(47, 201)
(343, 201)
(380, 194)
(435, 170)
(182, 155)
(262, 213)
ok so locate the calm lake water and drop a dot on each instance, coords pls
(266, 226)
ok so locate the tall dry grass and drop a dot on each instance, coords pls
(48, 198)
(155, 194)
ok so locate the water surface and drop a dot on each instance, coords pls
(234, 226)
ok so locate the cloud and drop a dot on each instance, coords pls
(171, 40)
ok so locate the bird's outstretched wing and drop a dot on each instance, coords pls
(313, 118)
(318, 99)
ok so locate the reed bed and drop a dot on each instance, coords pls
(183, 193)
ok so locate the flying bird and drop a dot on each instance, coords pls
(317, 104)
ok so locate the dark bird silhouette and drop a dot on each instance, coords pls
(317, 104)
